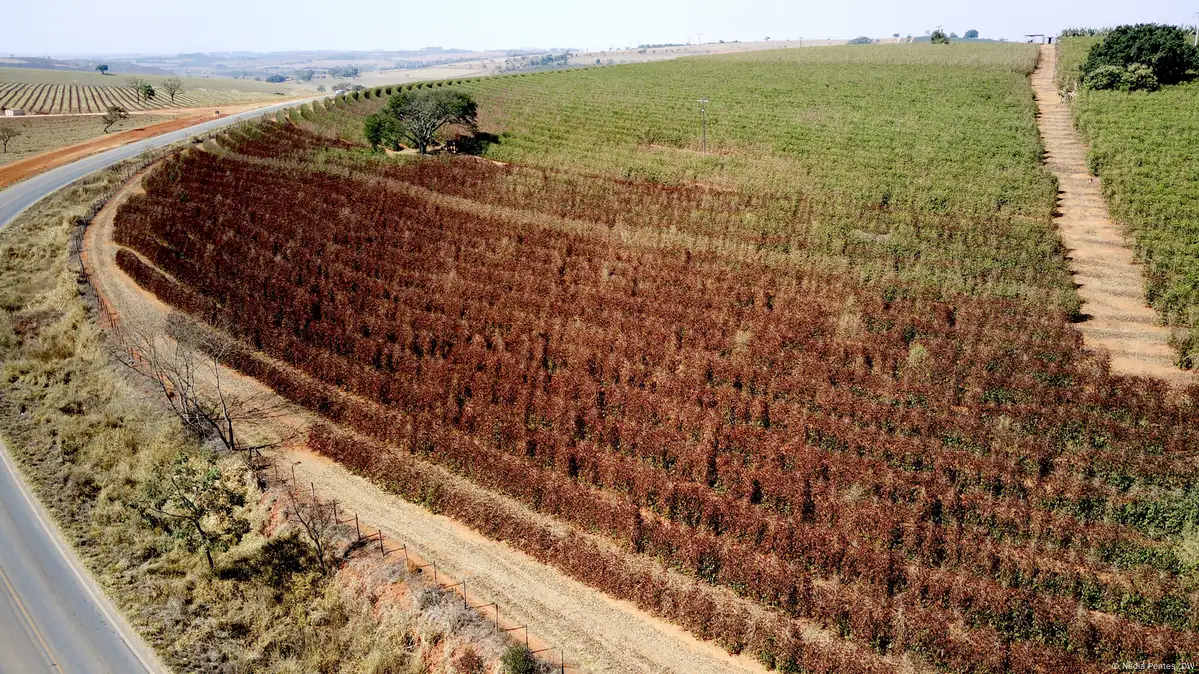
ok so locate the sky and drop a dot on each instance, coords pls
(83, 27)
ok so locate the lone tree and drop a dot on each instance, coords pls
(136, 83)
(102, 69)
(971, 34)
(7, 133)
(115, 114)
(173, 87)
(938, 37)
(317, 520)
(417, 116)
(196, 502)
(147, 91)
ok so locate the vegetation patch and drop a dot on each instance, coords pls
(1152, 188)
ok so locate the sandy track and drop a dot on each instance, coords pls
(1109, 280)
(597, 633)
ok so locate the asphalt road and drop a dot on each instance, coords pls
(53, 616)
(24, 194)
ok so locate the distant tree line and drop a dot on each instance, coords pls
(536, 61)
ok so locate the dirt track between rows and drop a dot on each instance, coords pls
(596, 632)
(1108, 279)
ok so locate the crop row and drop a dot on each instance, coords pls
(851, 613)
(321, 338)
(75, 98)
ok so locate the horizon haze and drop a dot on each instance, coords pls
(68, 28)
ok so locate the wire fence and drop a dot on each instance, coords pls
(268, 474)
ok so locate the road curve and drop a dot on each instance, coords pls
(24, 194)
(53, 616)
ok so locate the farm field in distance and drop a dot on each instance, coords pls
(72, 92)
(825, 364)
(39, 134)
(1141, 145)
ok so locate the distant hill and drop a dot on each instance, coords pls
(114, 67)
(36, 62)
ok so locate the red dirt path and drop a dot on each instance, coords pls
(38, 163)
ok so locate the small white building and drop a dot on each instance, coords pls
(14, 113)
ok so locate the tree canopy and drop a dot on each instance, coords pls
(1165, 50)
(196, 502)
(7, 133)
(971, 34)
(173, 86)
(417, 116)
(114, 114)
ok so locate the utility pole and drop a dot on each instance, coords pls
(703, 123)
(1197, 29)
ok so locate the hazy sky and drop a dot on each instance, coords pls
(69, 27)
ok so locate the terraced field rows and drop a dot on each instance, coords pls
(828, 369)
(75, 98)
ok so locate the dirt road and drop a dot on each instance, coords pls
(595, 632)
(1109, 281)
(20, 170)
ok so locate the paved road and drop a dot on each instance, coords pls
(53, 616)
(24, 194)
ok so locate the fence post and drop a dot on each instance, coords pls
(357, 528)
(313, 492)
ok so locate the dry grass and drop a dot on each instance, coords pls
(87, 438)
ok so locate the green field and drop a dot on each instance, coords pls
(62, 91)
(886, 139)
(876, 123)
(1071, 52)
(1143, 146)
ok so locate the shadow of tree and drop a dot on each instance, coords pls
(475, 143)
